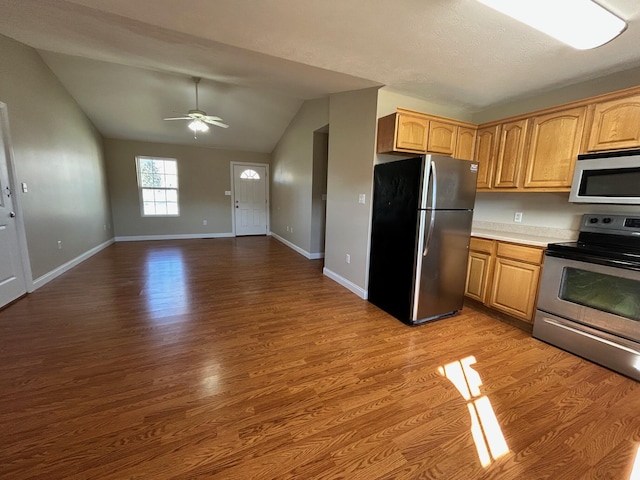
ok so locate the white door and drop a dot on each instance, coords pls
(250, 199)
(12, 278)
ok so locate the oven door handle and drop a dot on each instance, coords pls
(600, 338)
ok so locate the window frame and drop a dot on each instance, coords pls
(141, 188)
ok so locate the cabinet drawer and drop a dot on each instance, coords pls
(520, 252)
(481, 245)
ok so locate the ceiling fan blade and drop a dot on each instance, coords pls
(215, 122)
(208, 118)
(178, 118)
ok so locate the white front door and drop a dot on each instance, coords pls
(250, 199)
(12, 278)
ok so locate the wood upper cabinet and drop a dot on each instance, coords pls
(402, 133)
(554, 144)
(485, 154)
(442, 138)
(412, 133)
(516, 276)
(510, 154)
(466, 143)
(616, 125)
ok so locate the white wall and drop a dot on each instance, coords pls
(58, 154)
(292, 176)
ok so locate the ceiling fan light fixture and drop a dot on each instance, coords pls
(198, 125)
(581, 24)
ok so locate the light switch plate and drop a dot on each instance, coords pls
(24, 187)
(227, 193)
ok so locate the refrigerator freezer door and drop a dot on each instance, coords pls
(449, 183)
(441, 265)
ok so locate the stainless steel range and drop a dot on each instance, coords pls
(589, 301)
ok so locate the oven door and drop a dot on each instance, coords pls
(602, 297)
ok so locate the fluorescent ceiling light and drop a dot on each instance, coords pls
(581, 24)
(198, 126)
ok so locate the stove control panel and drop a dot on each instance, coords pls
(611, 224)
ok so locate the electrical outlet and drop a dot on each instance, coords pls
(291, 229)
(517, 217)
(59, 244)
(104, 227)
(204, 222)
(361, 198)
(347, 258)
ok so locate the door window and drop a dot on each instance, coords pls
(607, 293)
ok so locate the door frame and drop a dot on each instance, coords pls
(233, 193)
(17, 206)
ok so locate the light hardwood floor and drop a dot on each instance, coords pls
(237, 359)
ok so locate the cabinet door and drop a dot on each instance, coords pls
(485, 154)
(510, 154)
(477, 274)
(412, 133)
(466, 143)
(514, 288)
(616, 125)
(553, 149)
(442, 138)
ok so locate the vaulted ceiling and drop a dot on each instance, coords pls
(129, 63)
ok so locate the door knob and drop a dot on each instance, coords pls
(12, 214)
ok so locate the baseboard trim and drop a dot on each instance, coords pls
(293, 246)
(179, 236)
(362, 293)
(65, 267)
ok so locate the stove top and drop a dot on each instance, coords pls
(606, 239)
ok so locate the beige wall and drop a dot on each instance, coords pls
(551, 210)
(58, 154)
(204, 174)
(570, 93)
(292, 177)
(389, 101)
(352, 130)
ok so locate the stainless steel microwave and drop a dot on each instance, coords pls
(609, 177)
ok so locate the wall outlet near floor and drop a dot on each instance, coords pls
(347, 258)
(204, 222)
(361, 198)
(59, 244)
(517, 217)
(104, 227)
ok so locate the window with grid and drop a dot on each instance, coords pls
(158, 185)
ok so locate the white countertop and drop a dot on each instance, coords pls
(527, 235)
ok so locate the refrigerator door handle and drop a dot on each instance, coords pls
(432, 220)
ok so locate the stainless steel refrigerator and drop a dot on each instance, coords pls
(422, 212)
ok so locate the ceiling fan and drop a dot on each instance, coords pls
(199, 119)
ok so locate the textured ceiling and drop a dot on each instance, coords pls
(128, 63)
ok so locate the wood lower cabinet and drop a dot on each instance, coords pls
(504, 276)
(479, 267)
(616, 125)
